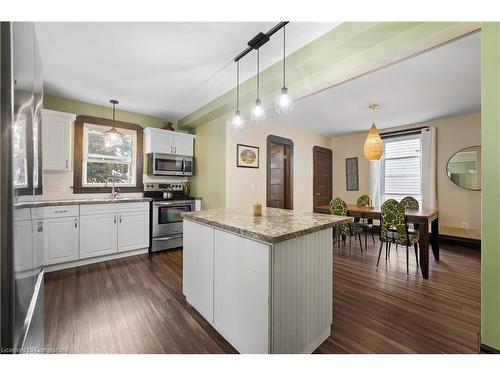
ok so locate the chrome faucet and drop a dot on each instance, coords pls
(114, 191)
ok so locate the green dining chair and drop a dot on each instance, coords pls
(338, 207)
(394, 229)
(366, 224)
(409, 203)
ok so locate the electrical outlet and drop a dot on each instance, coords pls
(252, 186)
(465, 225)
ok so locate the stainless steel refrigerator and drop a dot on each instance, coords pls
(21, 268)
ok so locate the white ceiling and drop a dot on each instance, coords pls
(445, 81)
(162, 69)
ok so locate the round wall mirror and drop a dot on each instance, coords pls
(464, 168)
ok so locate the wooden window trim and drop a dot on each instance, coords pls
(78, 155)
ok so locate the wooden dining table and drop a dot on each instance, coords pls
(421, 217)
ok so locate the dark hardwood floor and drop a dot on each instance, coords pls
(136, 305)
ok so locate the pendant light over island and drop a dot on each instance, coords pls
(284, 104)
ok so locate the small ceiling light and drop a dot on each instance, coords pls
(285, 104)
(374, 147)
(258, 114)
(113, 137)
(237, 121)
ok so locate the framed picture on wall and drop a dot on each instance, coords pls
(351, 174)
(247, 156)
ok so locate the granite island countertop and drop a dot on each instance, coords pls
(275, 224)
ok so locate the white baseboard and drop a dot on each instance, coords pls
(103, 258)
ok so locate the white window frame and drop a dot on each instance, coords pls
(101, 128)
(383, 159)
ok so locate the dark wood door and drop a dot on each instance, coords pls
(322, 177)
(279, 172)
(276, 196)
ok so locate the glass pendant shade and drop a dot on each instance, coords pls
(112, 137)
(374, 146)
(237, 121)
(285, 104)
(258, 115)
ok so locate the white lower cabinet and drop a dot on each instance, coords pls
(198, 267)
(241, 292)
(113, 228)
(60, 239)
(63, 234)
(133, 230)
(98, 235)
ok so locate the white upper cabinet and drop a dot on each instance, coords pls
(56, 140)
(168, 142)
(183, 145)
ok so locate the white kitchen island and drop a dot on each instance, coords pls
(264, 283)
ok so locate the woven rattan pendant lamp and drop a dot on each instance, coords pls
(374, 147)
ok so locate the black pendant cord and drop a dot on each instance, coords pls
(237, 85)
(258, 56)
(284, 48)
(114, 102)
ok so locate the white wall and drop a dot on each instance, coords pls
(246, 186)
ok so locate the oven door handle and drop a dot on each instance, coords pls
(174, 203)
(175, 237)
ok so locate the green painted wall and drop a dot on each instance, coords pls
(57, 103)
(490, 142)
(209, 180)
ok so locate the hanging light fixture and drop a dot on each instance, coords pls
(113, 137)
(285, 104)
(237, 121)
(374, 147)
(258, 115)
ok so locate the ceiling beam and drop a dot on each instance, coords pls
(348, 51)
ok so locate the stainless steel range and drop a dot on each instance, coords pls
(166, 214)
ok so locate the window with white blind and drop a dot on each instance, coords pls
(402, 168)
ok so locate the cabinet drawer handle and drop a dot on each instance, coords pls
(120, 218)
(114, 217)
(66, 163)
(60, 211)
(40, 226)
(76, 223)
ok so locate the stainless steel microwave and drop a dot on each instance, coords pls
(169, 165)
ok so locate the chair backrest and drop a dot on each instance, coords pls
(363, 201)
(338, 207)
(392, 214)
(409, 203)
